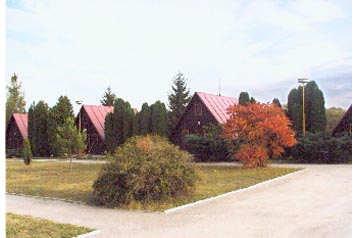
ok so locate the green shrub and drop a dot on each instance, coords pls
(322, 148)
(10, 153)
(26, 152)
(146, 168)
(211, 146)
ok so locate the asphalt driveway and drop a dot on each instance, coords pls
(313, 203)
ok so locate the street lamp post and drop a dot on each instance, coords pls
(79, 102)
(303, 81)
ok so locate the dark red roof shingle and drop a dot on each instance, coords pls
(97, 115)
(218, 105)
(21, 122)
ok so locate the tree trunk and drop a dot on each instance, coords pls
(70, 161)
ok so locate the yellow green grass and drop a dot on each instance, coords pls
(19, 226)
(51, 179)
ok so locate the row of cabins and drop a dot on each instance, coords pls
(203, 110)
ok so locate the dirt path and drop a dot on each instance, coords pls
(314, 203)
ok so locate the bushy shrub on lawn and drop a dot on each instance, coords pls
(322, 148)
(211, 146)
(26, 152)
(146, 168)
(10, 153)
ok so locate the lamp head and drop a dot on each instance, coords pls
(303, 80)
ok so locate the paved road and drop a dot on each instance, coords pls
(314, 203)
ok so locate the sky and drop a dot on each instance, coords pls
(79, 48)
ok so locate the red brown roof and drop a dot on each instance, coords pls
(21, 122)
(97, 115)
(218, 105)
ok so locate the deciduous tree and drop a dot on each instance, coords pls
(69, 139)
(263, 129)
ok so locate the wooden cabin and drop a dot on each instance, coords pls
(16, 132)
(203, 110)
(345, 124)
(92, 118)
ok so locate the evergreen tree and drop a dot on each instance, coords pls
(38, 129)
(159, 119)
(144, 120)
(109, 133)
(277, 102)
(294, 109)
(244, 98)
(252, 100)
(314, 108)
(178, 99)
(15, 102)
(121, 122)
(26, 152)
(69, 139)
(108, 98)
(58, 115)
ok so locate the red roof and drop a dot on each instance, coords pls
(218, 105)
(97, 115)
(21, 122)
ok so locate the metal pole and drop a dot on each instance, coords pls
(79, 123)
(303, 111)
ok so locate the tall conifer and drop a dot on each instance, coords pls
(178, 98)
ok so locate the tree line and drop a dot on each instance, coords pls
(44, 122)
(123, 122)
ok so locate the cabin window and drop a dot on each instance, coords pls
(84, 120)
(198, 109)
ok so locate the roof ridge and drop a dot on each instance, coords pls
(215, 95)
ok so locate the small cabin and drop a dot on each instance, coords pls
(92, 118)
(203, 110)
(345, 124)
(16, 132)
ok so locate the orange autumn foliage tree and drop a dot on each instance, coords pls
(263, 129)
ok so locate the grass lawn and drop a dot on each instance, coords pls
(19, 226)
(51, 179)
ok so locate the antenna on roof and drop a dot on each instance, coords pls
(219, 87)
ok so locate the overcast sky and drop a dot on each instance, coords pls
(79, 48)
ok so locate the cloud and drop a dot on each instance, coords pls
(79, 47)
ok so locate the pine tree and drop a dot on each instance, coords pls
(159, 119)
(15, 102)
(69, 139)
(108, 98)
(244, 98)
(38, 129)
(58, 115)
(178, 99)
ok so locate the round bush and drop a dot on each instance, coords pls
(145, 168)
